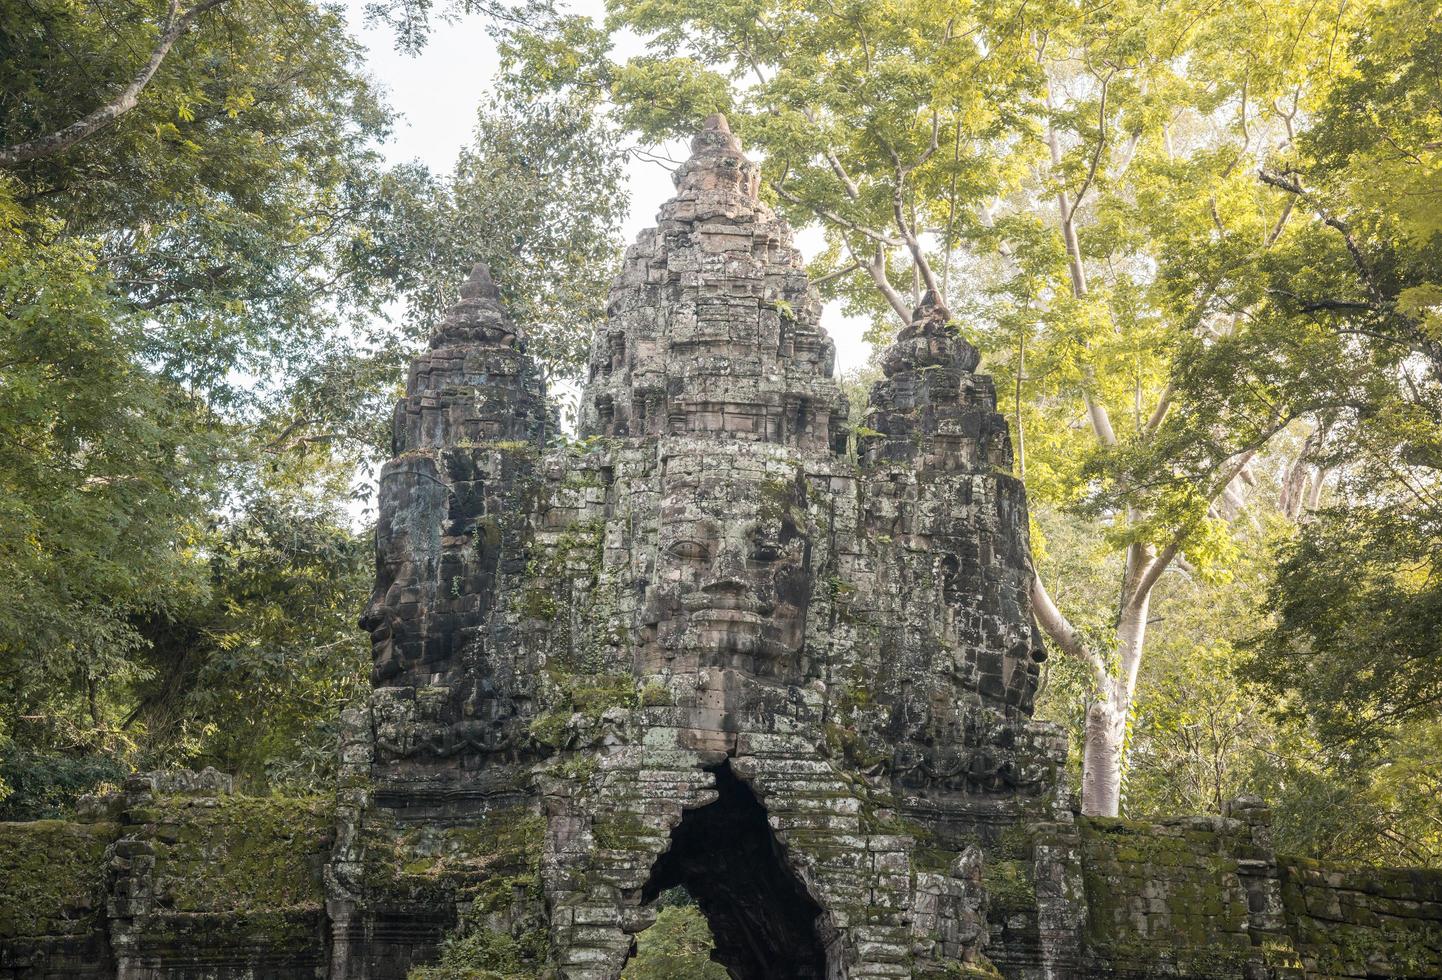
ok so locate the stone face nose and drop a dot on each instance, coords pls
(729, 565)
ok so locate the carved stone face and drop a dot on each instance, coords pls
(733, 576)
(393, 615)
(426, 575)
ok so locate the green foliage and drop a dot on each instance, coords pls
(479, 955)
(230, 205)
(167, 283)
(676, 947)
(196, 353)
(104, 472)
(252, 679)
(1376, 807)
(188, 373)
(45, 785)
(1356, 646)
(539, 195)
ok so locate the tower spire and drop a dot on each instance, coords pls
(477, 317)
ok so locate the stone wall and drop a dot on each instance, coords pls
(53, 885)
(1164, 898)
(1363, 922)
(1204, 898)
(176, 877)
(179, 881)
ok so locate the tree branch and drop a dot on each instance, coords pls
(1160, 412)
(876, 267)
(1159, 564)
(898, 209)
(837, 274)
(1062, 633)
(175, 25)
(908, 235)
(852, 190)
(832, 216)
(1097, 154)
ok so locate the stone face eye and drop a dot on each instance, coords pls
(688, 550)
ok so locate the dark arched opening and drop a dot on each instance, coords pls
(726, 856)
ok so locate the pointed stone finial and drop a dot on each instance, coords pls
(929, 341)
(480, 285)
(717, 166)
(931, 313)
(478, 316)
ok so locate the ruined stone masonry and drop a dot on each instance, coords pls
(721, 641)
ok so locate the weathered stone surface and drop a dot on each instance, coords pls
(712, 646)
(177, 877)
(719, 642)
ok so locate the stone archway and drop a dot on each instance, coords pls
(765, 922)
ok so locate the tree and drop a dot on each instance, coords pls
(1077, 181)
(539, 195)
(103, 472)
(252, 675)
(197, 352)
(231, 204)
(1349, 305)
(168, 277)
(172, 26)
(676, 947)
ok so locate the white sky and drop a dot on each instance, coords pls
(438, 92)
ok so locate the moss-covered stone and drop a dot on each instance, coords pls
(52, 876)
(240, 854)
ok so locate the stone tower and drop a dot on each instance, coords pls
(721, 641)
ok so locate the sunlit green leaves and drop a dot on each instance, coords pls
(663, 96)
(103, 472)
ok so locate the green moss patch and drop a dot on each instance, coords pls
(1163, 899)
(240, 854)
(486, 877)
(486, 867)
(52, 877)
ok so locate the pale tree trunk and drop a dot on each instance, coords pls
(175, 25)
(1102, 755)
(1115, 681)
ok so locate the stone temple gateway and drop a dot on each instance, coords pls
(725, 640)
(711, 646)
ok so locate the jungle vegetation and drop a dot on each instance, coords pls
(1199, 246)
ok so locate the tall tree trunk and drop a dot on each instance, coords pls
(1106, 722)
(1104, 755)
